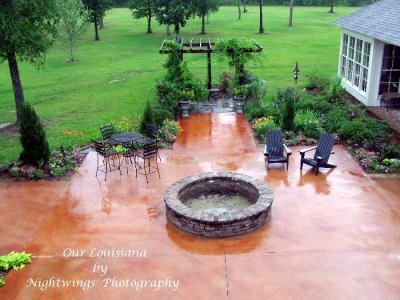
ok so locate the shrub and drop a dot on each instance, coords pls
(316, 81)
(33, 137)
(390, 151)
(254, 111)
(307, 122)
(335, 119)
(148, 117)
(262, 125)
(393, 164)
(224, 80)
(169, 131)
(161, 114)
(255, 90)
(287, 123)
(357, 110)
(369, 131)
(273, 110)
(318, 104)
(335, 92)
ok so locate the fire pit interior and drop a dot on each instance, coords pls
(218, 204)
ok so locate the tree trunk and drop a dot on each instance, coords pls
(16, 82)
(149, 23)
(261, 30)
(101, 22)
(71, 48)
(203, 24)
(208, 16)
(149, 17)
(291, 13)
(331, 11)
(96, 30)
(168, 30)
(177, 33)
(244, 6)
(239, 10)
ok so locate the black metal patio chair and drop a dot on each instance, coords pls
(321, 156)
(149, 158)
(275, 151)
(108, 156)
(106, 132)
(152, 135)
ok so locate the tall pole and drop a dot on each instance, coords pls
(261, 18)
(209, 68)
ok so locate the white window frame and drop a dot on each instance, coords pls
(355, 73)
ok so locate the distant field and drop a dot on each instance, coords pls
(116, 76)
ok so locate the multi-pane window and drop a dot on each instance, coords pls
(354, 62)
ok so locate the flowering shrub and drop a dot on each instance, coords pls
(128, 123)
(262, 125)
(169, 131)
(366, 158)
(370, 160)
(293, 139)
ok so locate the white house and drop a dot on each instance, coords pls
(369, 59)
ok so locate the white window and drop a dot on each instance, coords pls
(354, 62)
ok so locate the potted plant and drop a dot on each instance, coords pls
(239, 98)
(184, 103)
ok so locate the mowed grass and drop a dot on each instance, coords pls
(117, 75)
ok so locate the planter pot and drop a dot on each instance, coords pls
(184, 106)
(239, 100)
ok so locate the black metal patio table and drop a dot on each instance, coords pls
(127, 138)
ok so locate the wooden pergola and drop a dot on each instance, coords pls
(204, 47)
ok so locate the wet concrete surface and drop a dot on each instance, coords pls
(331, 236)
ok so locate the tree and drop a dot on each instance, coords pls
(203, 8)
(244, 6)
(35, 148)
(27, 31)
(174, 12)
(291, 13)
(148, 118)
(261, 30)
(239, 10)
(143, 9)
(73, 22)
(331, 4)
(97, 10)
(289, 110)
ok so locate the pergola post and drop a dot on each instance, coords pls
(209, 69)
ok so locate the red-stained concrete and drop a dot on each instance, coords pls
(331, 236)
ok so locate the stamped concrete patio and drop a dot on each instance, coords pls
(331, 236)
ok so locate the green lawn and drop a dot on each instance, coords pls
(116, 76)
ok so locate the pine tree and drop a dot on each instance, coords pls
(148, 117)
(35, 148)
(288, 112)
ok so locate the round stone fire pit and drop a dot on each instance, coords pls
(218, 204)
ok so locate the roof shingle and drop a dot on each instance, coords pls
(380, 20)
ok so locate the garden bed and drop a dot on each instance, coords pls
(371, 142)
(61, 165)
